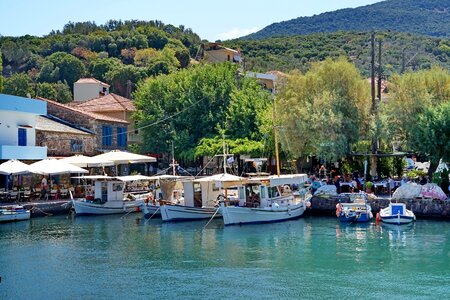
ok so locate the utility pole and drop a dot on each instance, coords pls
(373, 111)
(129, 89)
(380, 70)
(275, 132)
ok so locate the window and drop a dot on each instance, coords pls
(76, 146)
(121, 136)
(22, 137)
(107, 135)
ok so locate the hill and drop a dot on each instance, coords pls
(115, 52)
(424, 17)
(401, 51)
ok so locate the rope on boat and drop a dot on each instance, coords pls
(123, 217)
(217, 210)
(152, 215)
(37, 208)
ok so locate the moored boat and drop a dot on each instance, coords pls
(14, 213)
(201, 198)
(107, 198)
(267, 199)
(396, 213)
(355, 209)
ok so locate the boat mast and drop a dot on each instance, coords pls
(275, 134)
(224, 156)
(173, 164)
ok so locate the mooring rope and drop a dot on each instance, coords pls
(217, 210)
(152, 215)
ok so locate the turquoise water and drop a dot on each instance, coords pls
(310, 258)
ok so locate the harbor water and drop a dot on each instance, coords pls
(110, 257)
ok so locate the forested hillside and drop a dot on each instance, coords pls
(424, 17)
(115, 53)
(400, 51)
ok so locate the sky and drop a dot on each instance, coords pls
(210, 20)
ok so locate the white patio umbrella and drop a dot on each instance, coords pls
(51, 166)
(14, 167)
(87, 161)
(122, 157)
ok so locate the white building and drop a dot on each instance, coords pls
(17, 128)
(89, 88)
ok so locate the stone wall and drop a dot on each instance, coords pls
(59, 144)
(422, 207)
(90, 123)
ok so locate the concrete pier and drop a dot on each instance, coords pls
(422, 207)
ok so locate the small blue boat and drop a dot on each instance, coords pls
(353, 207)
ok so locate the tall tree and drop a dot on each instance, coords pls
(193, 104)
(410, 95)
(323, 112)
(430, 135)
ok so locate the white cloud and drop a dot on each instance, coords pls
(235, 33)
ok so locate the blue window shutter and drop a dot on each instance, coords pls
(22, 137)
(104, 130)
(109, 136)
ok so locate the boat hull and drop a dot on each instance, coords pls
(398, 217)
(187, 213)
(12, 216)
(233, 215)
(151, 210)
(89, 208)
(362, 218)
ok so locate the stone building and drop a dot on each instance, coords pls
(113, 106)
(62, 138)
(110, 132)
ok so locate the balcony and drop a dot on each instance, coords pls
(22, 152)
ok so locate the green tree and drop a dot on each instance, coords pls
(430, 135)
(46, 90)
(100, 67)
(410, 95)
(19, 84)
(61, 66)
(193, 104)
(323, 112)
(63, 93)
(1, 72)
(119, 75)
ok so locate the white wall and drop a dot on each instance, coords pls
(9, 122)
(87, 91)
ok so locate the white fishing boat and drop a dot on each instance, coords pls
(167, 189)
(13, 213)
(396, 213)
(201, 198)
(107, 198)
(267, 199)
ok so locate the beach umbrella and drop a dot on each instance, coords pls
(14, 167)
(87, 161)
(51, 166)
(122, 157)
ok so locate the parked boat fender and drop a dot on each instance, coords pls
(338, 209)
(378, 218)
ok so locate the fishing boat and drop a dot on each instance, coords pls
(106, 198)
(353, 207)
(167, 189)
(14, 213)
(396, 213)
(201, 198)
(267, 199)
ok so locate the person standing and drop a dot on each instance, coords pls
(44, 187)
